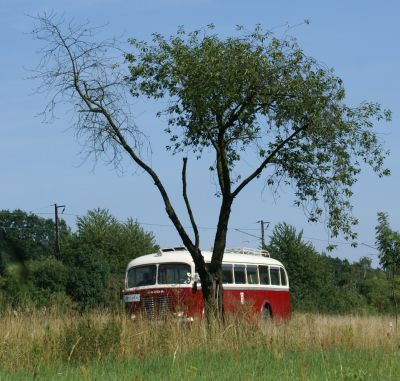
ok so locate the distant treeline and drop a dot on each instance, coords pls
(321, 283)
(88, 270)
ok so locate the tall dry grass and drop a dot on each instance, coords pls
(29, 340)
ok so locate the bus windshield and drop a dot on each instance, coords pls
(174, 273)
(142, 276)
(168, 273)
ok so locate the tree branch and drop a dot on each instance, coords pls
(96, 106)
(189, 209)
(237, 111)
(268, 159)
(222, 164)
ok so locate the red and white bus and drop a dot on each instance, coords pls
(166, 283)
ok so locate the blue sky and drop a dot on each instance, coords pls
(41, 165)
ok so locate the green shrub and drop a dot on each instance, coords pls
(49, 274)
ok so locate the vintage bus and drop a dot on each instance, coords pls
(165, 283)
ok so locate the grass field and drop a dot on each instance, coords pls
(106, 346)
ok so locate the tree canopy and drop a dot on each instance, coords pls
(388, 242)
(27, 236)
(255, 92)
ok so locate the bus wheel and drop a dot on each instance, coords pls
(266, 312)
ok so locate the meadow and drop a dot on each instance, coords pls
(48, 345)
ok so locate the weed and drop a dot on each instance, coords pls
(87, 341)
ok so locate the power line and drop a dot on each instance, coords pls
(251, 235)
(24, 228)
(372, 247)
(42, 207)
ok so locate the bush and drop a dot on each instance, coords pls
(88, 277)
(49, 273)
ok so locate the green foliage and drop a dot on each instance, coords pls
(302, 264)
(3, 253)
(30, 276)
(27, 236)
(34, 284)
(98, 256)
(15, 290)
(89, 273)
(388, 242)
(255, 92)
(49, 273)
(90, 270)
(120, 242)
(2, 265)
(377, 291)
(329, 285)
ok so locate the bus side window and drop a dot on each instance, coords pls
(227, 274)
(264, 274)
(274, 271)
(240, 275)
(283, 277)
(252, 275)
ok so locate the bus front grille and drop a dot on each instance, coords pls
(156, 307)
(149, 308)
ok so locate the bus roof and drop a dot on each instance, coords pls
(183, 255)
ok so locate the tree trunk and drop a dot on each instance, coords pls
(213, 297)
(212, 287)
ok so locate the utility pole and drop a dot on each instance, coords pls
(262, 222)
(57, 247)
